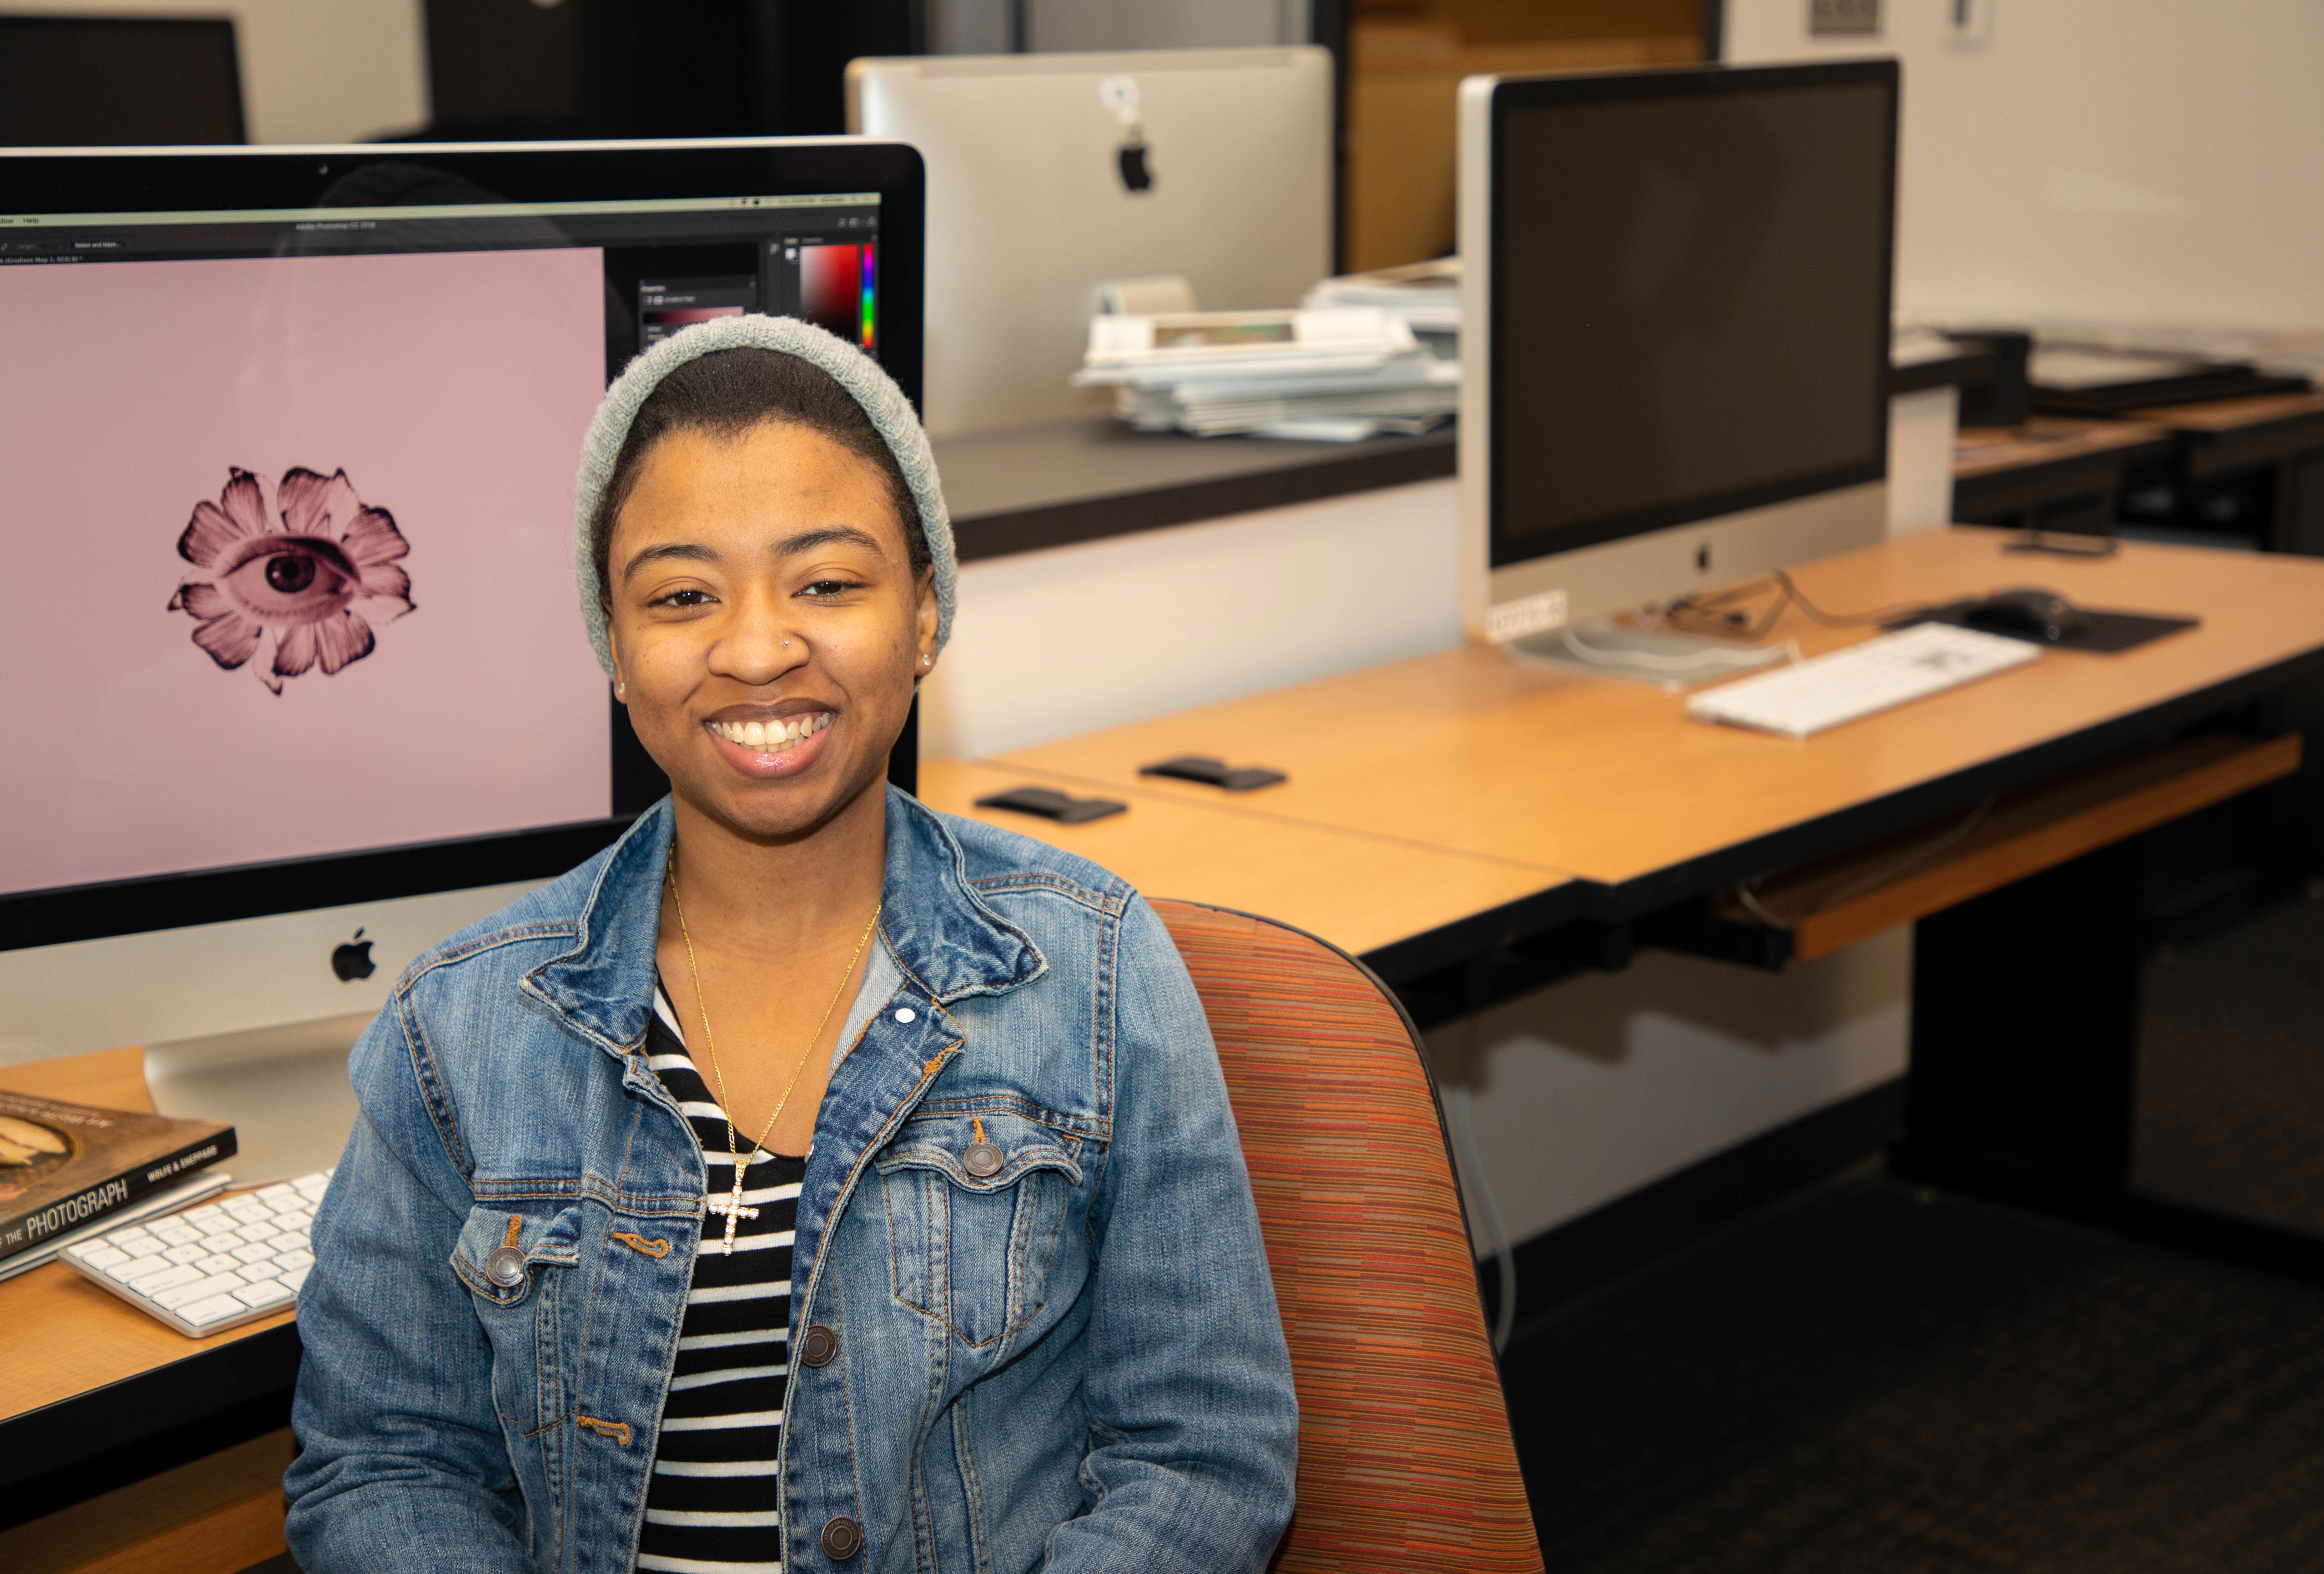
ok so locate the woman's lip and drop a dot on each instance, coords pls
(788, 710)
(765, 764)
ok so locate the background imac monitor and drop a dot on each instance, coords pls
(1049, 173)
(1678, 286)
(290, 438)
(96, 81)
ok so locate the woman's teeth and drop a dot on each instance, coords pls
(772, 735)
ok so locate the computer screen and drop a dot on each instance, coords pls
(118, 81)
(1691, 297)
(290, 617)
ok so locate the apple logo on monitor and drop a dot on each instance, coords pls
(1135, 176)
(1120, 97)
(353, 960)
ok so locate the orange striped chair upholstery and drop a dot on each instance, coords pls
(1405, 1463)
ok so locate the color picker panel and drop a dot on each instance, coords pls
(835, 286)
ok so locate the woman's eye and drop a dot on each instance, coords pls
(685, 598)
(829, 587)
(291, 579)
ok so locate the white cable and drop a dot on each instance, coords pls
(1464, 1143)
(1874, 881)
(1887, 872)
(1750, 899)
(1599, 656)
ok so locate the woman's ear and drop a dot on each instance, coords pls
(614, 647)
(929, 619)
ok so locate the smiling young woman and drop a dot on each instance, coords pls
(810, 1179)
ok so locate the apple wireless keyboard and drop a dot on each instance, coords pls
(213, 1267)
(1884, 670)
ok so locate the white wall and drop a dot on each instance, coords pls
(1049, 644)
(1605, 1083)
(312, 70)
(2132, 162)
(968, 27)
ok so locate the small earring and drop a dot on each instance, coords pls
(620, 689)
(924, 661)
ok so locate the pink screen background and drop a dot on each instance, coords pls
(453, 389)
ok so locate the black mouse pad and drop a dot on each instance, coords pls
(2106, 632)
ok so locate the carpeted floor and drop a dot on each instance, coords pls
(1875, 1379)
(1871, 1380)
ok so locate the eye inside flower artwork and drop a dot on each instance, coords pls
(287, 577)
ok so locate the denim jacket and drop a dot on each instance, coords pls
(1074, 1363)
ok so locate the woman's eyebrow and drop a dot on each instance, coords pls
(684, 551)
(830, 535)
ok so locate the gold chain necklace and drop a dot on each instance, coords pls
(733, 1207)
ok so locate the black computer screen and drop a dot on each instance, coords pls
(1691, 296)
(118, 81)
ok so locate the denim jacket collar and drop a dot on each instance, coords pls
(942, 936)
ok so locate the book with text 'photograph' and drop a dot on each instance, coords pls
(64, 1165)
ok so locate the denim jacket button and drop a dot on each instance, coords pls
(817, 1346)
(907, 1014)
(504, 1266)
(982, 1159)
(842, 1538)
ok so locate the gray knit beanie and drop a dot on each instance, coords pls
(851, 368)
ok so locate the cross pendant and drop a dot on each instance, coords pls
(731, 1207)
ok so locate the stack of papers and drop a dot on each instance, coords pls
(1425, 295)
(1334, 375)
(2290, 352)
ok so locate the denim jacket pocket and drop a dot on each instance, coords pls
(974, 1202)
(511, 1255)
(501, 1247)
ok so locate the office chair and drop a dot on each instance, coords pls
(1406, 1460)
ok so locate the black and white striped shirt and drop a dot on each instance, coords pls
(710, 1508)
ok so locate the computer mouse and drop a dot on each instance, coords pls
(2027, 609)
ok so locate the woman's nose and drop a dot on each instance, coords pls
(757, 649)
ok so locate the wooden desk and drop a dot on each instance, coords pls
(86, 1374)
(2251, 417)
(2025, 1019)
(1470, 751)
(1404, 907)
(2278, 437)
(2052, 473)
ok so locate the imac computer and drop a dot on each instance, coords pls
(1051, 174)
(1677, 286)
(296, 685)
